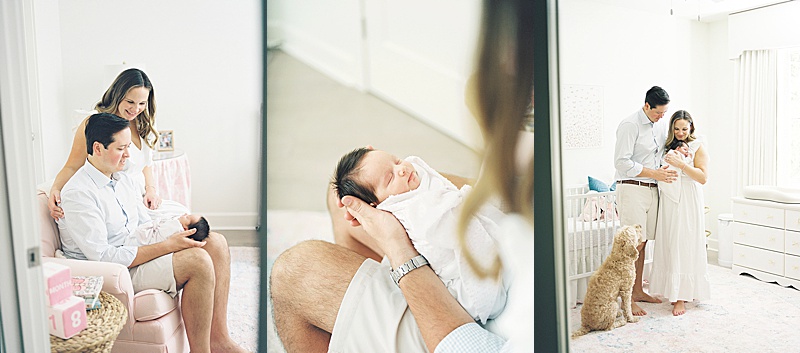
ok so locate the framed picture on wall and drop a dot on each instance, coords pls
(166, 141)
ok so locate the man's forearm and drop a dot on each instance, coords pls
(436, 311)
(149, 252)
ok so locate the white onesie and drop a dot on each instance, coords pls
(154, 231)
(430, 214)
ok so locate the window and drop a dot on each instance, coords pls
(788, 154)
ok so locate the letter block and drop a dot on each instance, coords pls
(58, 282)
(67, 318)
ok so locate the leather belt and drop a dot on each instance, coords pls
(636, 182)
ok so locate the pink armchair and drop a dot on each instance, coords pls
(154, 320)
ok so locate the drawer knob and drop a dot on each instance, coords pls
(795, 244)
(771, 262)
(769, 217)
(741, 234)
(772, 239)
(744, 213)
(797, 268)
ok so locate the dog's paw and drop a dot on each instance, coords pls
(633, 319)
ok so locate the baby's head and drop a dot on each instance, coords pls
(681, 147)
(195, 222)
(373, 175)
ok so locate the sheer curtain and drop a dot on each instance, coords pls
(756, 114)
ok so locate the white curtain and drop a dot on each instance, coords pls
(756, 114)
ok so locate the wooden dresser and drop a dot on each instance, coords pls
(766, 240)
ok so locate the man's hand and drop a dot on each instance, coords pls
(181, 240)
(665, 175)
(383, 227)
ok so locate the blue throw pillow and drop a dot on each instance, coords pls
(599, 186)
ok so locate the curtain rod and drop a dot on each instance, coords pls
(761, 7)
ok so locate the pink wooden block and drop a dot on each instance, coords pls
(58, 282)
(67, 318)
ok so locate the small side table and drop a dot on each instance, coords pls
(102, 328)
(173, 178)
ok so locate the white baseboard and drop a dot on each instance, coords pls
(333, 62)
(231, 220)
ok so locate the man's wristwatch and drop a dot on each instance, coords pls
(415, 262)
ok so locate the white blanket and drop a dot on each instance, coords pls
(430, 214)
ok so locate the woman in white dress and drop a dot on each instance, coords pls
(131, 97)
(679, 260)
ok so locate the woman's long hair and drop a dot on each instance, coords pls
(504, 84)
(679, 115)
(146, 120)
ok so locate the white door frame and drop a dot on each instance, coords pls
(22, 310)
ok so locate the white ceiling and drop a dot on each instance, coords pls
(703, 10)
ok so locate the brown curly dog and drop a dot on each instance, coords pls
(613, 279)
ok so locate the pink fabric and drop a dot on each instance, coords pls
(151, 304)
(173, 179)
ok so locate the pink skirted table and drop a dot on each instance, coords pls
(173, 177)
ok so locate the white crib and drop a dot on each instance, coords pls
(589, 236)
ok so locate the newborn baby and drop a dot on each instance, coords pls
(673, 190)
(158, 230)
(428, 205)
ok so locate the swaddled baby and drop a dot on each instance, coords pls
(158, 230)
(673, 190)
(428, 205)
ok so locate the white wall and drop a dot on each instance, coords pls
(595, 48)
(685, 57)
(205, 61)
(416, 55)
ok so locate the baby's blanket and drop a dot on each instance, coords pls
(430, 214)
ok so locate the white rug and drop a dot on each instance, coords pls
(744, 314)
(244, 296)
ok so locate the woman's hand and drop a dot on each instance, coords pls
(674, 160)
(151, 199)
(53, 204)
(381, 226)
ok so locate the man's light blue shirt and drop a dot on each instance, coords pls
(100, 213)
(640, 144)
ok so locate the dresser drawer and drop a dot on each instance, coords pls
(758, 236)
(767, 216)
(792, 242)
(793, 220)
(758, 259)
(793, 267)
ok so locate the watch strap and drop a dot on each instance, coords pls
(410, 265)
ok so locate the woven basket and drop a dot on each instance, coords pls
(103, 326)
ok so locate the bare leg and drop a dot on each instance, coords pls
(194, 272)
(306, 294)
(353, 238)
(217, 248)
(638, 294)
(678, 309)
(627, 311)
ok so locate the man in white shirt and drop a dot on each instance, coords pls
(637, 159)
(101, 211)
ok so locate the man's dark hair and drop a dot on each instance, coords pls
(656, 96)
(101, 127)
(344, 178)
(202, 229)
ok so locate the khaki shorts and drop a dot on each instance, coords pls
(374, 315)
(155, 274)
(638, 205)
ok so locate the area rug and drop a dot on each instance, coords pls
(743, 315)
(244, 296)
